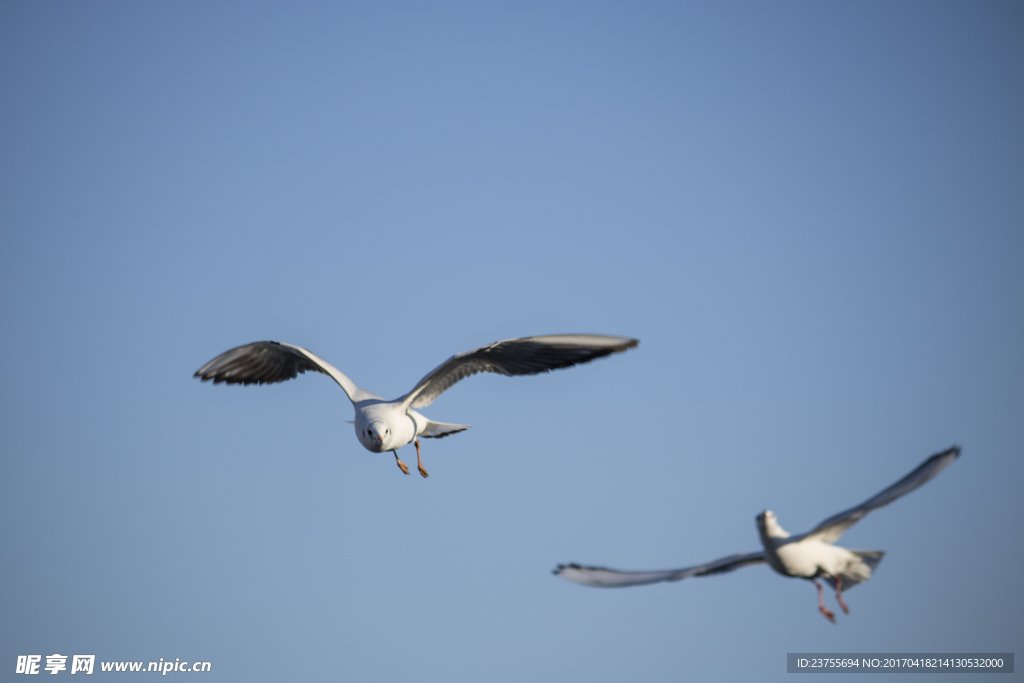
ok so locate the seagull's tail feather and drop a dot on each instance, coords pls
(870, 557)
(439, 430)
(860, 569)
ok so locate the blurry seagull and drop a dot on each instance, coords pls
(807, 556)
(388, 425)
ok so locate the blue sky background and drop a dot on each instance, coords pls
(811, 214)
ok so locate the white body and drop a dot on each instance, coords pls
(808, 556)
(383, 426)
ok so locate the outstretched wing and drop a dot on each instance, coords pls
(835, 526)
(526, 356)
(268, 362)
(611, 578)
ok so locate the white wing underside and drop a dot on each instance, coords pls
(835, 526)
(602, 577)
(353, 392)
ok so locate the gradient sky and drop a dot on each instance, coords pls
(811, 215)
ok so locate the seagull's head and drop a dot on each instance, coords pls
(768, 525)
(376, 436)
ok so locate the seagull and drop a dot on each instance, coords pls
(382, 425)
(807, 556)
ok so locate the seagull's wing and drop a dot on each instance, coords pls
(835, 526)
(610, 578)
(526, 356)
(267, 362)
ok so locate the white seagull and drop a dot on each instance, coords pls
(806, 556)
(382, 425)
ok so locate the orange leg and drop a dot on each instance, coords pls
(821, 604)
(401, 465)
(839, 595)
(418, 461)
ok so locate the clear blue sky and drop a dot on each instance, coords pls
(811, 214)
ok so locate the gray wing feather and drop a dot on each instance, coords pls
(264, 362)
(832, 528)
(603, 577)
(269, 362)
(526, 356)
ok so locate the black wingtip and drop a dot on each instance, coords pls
(942, 459)
(942, 455)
